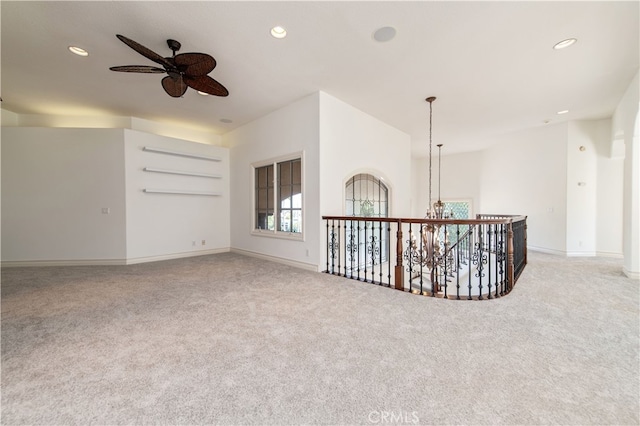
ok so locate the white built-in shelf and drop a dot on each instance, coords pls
(181, 154)
(179, 172)
(181, 192)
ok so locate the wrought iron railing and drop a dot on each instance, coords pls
(460, 259)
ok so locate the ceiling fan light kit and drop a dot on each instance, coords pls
(183, 70)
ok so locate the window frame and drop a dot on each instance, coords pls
(275, 233)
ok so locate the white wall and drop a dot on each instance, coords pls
(8, 118)
(338, 141)
(526, 173)
(610, 194)
(55, 183)
(582, 188)
(167, 225)
(536, 173)
(353, 142)
(460, 180)
(293, 128)
(626, 122)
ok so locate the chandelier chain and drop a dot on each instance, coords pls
(430, 144)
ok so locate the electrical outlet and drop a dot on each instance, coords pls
(193, 243)
(106, 210)
(204, 242)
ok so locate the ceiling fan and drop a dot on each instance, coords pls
(184, 70)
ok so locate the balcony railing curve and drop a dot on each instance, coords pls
(472, 259)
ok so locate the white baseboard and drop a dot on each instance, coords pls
(576, 253)
(66, 262)
(135, 260)
(631, 274)
(282, 260)
(546, 250)
(581, 254)
(110, 262)
(609, 254)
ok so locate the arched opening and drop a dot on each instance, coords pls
(367, 243)
(366, 195)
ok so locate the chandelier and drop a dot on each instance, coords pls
(428, 253)
(438, 206)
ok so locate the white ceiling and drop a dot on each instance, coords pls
(490, 64)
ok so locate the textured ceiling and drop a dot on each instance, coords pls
(491, 64)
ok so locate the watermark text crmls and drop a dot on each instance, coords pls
(399, 417)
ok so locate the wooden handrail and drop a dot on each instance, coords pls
(427, 221)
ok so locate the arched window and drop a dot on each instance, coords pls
(367, 196)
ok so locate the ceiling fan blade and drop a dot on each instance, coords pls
(174, 87)
(195, 64)
(147, 53)
(138, 68)
(206, 84)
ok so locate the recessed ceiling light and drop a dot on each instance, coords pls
(78, 51)
(278, 32)
(384, 34)
(564, 111)
(564, 43)
(202, 93)
(226, 120)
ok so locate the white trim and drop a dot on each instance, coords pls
(581, 254)
(71, 262)
(293, 236)
(181, 154)
(178, 172)
(630, 274)
(109, 262)
(302, 265)
(576, 253)
(297, 236)
(546, 250)
(135, 260)
(609, 254)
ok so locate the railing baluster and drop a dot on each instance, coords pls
(351, 248)
(502, 258)
(338, 255)
(346, 247)
(489, 262)
(358, 246)
(469, 257)
(410, 258)
(365, 250)
(387, 247)
(328, 251)
(380, 252)
(399, 271)
(458, 261)
(446, 260)
(421, 260)
(442, 251)
(373, 252)
(510, 268)
(495, 237)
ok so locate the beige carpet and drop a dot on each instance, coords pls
(227, 339)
